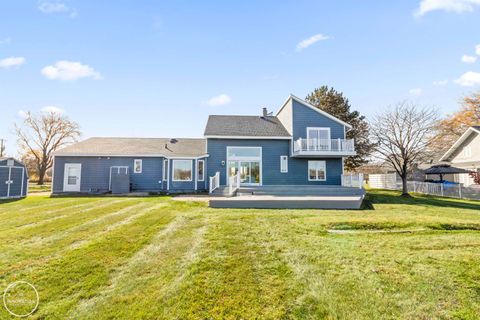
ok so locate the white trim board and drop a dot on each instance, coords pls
(249, 137)
(130, 156)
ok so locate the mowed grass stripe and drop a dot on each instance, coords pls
(234, 277)
(149, 272)
(76, 240)
(71, 219)
(83, 272)
(40, 217)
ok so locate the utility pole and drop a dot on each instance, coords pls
(2, 147)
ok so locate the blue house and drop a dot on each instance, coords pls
(300, 145)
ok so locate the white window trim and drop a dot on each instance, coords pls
(325, 169)
(135, 166)
(202, 178)
(244, 158)
(173, 170)
(260, 159)
(284, 158)
(165, 172)
(319, 128)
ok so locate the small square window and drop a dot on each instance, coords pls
(137, 166)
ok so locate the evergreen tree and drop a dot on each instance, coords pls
(334, 103)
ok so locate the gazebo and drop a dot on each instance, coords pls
(443, 169)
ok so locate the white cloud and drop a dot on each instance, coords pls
(308, 42)
(468, 59)
(469, 79)
(11, 62)
(52, 109)
(219, 100)
(56, 7)
(22, 114)
(6, 40)
(477, 49)
(70, 70)
(440, 82)
(416, 91)
(457, 6)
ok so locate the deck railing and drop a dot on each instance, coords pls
(354, 180)
(323, 145)
(214, 182)
(233, 183)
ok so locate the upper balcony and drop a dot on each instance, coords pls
(323, 148)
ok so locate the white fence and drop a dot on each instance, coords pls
(214, 182)
(382, 181)
(352, 180)
(389, 181)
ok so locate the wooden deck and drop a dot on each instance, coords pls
(291, 197)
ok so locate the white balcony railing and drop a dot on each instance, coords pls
(324, 146)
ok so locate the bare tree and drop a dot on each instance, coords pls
(41, 135)
(403, 135)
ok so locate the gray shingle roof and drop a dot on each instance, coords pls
(137, 146)
(245, 126)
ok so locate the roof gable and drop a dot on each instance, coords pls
(305, 103)
(458, 143)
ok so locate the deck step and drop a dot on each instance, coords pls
(272, 202)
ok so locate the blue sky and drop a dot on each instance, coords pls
(159, 68)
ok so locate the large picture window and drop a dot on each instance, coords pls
(182, 170)
(317, 170)
(244, 152)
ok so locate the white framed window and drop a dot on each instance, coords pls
(318, 138)
(244, 153)
(137, 166)
(467, 152)
(283, 164)
(165, 170)
(201, 170)
(182, 170)
(317, 170)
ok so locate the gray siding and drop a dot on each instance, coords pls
(271, 152)
(96, 174)
(304, 117)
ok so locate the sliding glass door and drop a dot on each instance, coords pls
(248, 162)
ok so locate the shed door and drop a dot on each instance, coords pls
(16, 181)
(72, 177)
(4, 173)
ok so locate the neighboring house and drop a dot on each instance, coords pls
(465, 154)
(13, 179)
(300, 145)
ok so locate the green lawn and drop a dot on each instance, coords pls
(155, 258)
